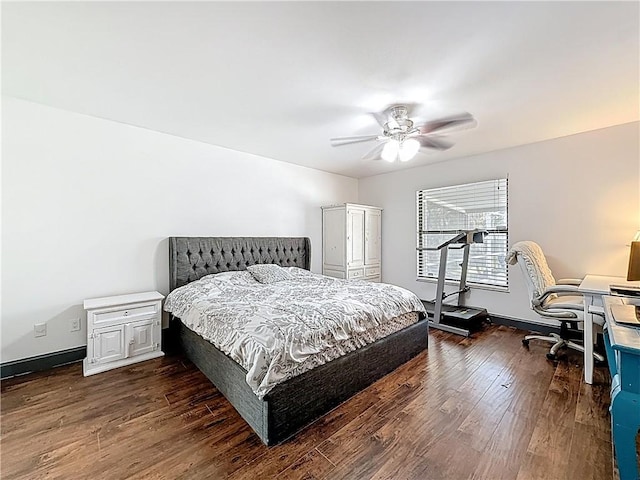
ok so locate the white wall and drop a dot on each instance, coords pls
(88, 204)
(577, 196)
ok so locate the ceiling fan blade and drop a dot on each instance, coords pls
(374, 153)
(433, 142)
(338, 141)
(381, 117)
(456, 121)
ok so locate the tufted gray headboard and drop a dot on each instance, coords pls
(191, 258)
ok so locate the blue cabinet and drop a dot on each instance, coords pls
(623, 355)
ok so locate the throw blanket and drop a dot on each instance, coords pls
(536, 265)
(279, 330)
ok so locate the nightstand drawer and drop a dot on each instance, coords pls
(130, 313)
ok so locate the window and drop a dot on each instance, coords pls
(480, 205)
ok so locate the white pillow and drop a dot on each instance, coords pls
(222, 275)
(269, 273)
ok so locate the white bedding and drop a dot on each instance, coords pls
(279, 330)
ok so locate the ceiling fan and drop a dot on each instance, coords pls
(401, 138)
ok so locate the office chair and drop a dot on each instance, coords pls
(559, 300)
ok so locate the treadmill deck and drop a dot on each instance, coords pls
(466, 317)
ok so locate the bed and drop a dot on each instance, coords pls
(296, 402)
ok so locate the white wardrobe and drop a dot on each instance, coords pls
(351, 241)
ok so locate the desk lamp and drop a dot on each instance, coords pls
(634, 259)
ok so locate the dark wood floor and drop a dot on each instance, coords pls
(482, 408)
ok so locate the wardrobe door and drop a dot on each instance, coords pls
(355, 237)
(333, 238)
(372, 237)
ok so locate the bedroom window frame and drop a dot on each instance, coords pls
(497, 279)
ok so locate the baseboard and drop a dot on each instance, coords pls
(42, 362)
(170, 338)
(524, 325)
(55, 359)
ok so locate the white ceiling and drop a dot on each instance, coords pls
(280, 79)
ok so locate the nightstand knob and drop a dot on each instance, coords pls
(126, 313)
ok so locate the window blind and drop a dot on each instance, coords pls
(481, 205)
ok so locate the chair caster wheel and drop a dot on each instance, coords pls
(525, 342)
(551, 356)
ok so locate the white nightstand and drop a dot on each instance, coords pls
(122, 330)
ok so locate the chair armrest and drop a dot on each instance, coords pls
(547, 313)
(569, 281)
(564, 289)
(557, 290)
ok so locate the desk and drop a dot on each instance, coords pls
(593, 287)
(623, 355)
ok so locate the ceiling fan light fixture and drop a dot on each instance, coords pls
(390, 151)
(402, 138)
(408, 149)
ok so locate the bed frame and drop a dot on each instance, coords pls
(293, 404)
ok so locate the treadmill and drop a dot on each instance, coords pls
(458, 318)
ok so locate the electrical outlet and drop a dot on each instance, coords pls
(74, 325)
(40, 330)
